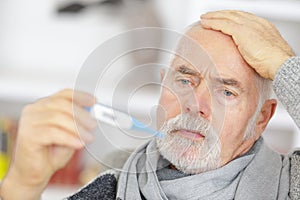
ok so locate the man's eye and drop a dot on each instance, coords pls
(227, 93)
(185, 82)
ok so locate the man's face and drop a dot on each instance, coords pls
(207, 103)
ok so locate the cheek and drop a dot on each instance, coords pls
(233, 120)
(169, 107)
(232, 133)
(232, 130)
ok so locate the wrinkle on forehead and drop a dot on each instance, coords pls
(219, 46)
(221, 49)
(191, 53)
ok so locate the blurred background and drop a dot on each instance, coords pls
(45, 43)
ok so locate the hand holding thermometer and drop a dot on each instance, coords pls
(120, 119)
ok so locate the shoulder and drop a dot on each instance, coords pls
(102, 187)
(295, 175)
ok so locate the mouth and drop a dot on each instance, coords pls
(193, 135)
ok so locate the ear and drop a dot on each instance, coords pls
(162, 74)
(266, 113)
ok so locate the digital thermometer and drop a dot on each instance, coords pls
(120, 119)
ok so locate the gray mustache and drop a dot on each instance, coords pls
(186, 122)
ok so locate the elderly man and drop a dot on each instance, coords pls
(215, 111)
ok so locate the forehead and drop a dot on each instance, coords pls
(212, 52)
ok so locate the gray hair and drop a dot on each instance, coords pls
(264, 91)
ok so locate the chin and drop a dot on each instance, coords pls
(188, 156)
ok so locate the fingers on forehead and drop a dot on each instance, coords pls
(224, 25)
(239, 17)
(226, 14)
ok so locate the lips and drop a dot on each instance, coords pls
(190, 134)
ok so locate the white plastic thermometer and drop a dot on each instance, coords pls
(120, 119)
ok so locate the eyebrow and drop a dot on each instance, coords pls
(229, 82)
(185, 70)
(224, 81)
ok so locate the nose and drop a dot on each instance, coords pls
(198, 102)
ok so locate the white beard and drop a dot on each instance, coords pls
(188, 155)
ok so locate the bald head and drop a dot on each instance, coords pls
(219, 46)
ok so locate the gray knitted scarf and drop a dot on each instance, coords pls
(259, 174)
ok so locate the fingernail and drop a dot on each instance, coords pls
(203, 15)
(87, 137)
(78, 143)
(90, 123)
(93, 124)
